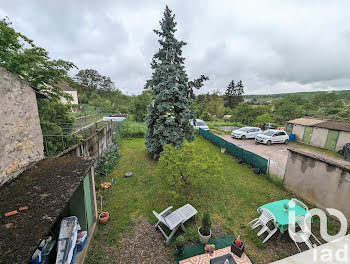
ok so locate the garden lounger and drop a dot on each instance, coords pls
(173, 220)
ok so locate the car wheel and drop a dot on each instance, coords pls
(268, 142)
(256, 143)
(286, 141)
(243, 137)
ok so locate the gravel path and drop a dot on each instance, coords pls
(144, 246)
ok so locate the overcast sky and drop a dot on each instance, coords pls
(272, 46)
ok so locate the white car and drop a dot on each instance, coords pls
(272, 136)
(246, 132)
(199, 124)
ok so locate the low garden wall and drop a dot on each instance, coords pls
(96, 144)
(320, 181)
(248, 157)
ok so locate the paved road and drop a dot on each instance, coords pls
(276, 153)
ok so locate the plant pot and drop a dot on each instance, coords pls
(103, 217)
(238, 251)
(180, 250)
(203, 239)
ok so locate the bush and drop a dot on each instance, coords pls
(180, 241)
(107, 160)
(206, 224)
(186, 171)
(132, 129)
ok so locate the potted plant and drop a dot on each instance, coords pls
(180, 245)
(204, 231)
(237, 246)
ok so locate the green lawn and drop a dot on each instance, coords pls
(232, 203)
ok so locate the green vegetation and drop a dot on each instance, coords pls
(132, 129)
(185, 173)
(344, 94)
(169, 113)
(317, 149)
(21, 56)
(180, 241)
(232, 202)
(206, 224)
(107, 160)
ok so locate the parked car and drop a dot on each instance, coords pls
(272, 136)
(246, 132)
(199, 124)
(270, 126)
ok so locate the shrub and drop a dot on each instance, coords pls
(180, 241)
(185, 171)
(206, 224)
(107, 160)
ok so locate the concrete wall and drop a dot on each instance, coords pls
(298, 130)
(344, 137)
(74, 94)
(21, 140)
(321, 181)
(319, 137)
(95, 145)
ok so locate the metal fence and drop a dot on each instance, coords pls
(248, 157)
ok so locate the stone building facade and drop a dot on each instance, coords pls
(21, 140)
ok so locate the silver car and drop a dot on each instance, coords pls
(199, 124)
(272, 136)
(246, 132)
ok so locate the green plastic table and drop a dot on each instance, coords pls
(282, 219)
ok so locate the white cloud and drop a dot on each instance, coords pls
(272, 46)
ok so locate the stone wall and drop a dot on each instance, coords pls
(322, 181)
(21, 141)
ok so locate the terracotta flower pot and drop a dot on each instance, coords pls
(103, 217)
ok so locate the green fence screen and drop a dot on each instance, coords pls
(248, 157)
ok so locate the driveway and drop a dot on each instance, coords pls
(276, 153)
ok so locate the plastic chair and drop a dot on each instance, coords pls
(265, 217)
(303, 233)
(301, 204)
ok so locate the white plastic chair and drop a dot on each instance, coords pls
(267, 216)
(303, 233)
(251, 223)
(174, 220)
(301, 204)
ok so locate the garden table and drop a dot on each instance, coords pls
(282, 216)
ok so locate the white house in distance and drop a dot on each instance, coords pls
(69, 90)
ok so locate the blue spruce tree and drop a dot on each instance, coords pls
(169, 112)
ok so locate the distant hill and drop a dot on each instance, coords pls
(344, 94)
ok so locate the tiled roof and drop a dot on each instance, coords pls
(307, 121)
(335, 125)
(322, 123)
(65, 87)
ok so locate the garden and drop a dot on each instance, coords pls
(231, 198)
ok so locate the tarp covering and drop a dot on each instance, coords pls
(67, 240)
(346, 151)
(248, 157)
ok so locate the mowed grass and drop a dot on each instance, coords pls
(232, 202)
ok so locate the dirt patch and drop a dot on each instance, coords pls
(145, 245)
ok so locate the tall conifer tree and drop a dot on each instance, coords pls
(229, 94)
(169, 112)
